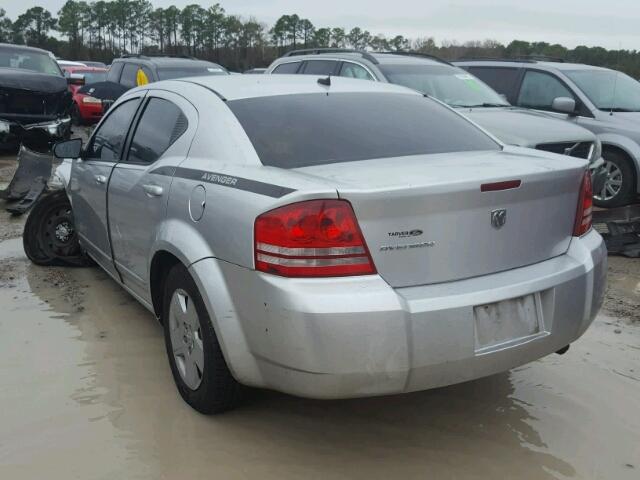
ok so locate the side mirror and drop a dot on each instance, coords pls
(68, 149)
(564, 105)
(75, 79)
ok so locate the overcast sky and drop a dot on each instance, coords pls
(607, 23)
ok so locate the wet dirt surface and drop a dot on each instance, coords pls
(86, 392)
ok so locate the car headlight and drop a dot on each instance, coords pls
(91, 100)
(596, 151)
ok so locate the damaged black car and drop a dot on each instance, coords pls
(35, 102)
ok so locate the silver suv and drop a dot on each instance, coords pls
(454, 87)
(605, 101)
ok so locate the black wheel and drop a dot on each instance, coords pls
(49, 236)
(198, 366)
(620, 184)
(76, 118)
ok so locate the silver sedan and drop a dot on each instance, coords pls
(325, 237)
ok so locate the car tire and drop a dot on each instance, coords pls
(49, 237)
(190, 339)
(622, 167)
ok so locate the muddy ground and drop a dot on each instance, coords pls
(86, 392)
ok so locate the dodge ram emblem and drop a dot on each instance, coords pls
(498, 218)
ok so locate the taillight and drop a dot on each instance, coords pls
(585, 207)
(316, 238)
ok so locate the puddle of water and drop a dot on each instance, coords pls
(87, 392)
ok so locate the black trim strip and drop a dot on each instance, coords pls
(223, 180)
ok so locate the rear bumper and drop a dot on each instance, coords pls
(357, 336)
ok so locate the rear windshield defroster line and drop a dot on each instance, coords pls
(292, 131)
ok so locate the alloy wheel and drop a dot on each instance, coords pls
(612, 184)
(186, 339)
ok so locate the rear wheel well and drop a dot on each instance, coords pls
(161, 264)
(623, 153)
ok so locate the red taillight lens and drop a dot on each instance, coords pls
(317, 238)
(585, 207)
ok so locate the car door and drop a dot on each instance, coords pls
(90, 177)
(140, 183)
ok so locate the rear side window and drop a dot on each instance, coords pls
(291, 67)
(539, 89)
(290, 131)
(161, 124)
(320, 67)
(352, 70)
(128, 78)
(502, 80)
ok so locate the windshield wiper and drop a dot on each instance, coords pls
(483, 105)
(617, 109)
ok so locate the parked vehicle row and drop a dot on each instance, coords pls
(458, 89)
(604, 101)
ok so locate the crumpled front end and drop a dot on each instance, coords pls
(38, 119)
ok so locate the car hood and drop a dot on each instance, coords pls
(526, 129)
(625, 118)
(26, 80)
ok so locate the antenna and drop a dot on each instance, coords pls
(615, 81)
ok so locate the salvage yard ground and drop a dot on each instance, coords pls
(86, 393)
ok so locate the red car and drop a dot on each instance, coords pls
(86, 109)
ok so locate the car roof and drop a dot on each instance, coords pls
(166, 61)
(24, 48)
(252, 86)
(524, 63)
(83, 68)
(386, 58)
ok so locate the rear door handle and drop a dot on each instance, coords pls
(153, 190)
(101, 179)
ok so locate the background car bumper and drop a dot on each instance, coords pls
(357, 336)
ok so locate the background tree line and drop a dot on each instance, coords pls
(102, 30)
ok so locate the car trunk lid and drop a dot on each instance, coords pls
(426, 220)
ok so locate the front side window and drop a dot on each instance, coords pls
(539, 89)
(129, 76)
(161, 124)
(608, 90)
(24, 59)
(450, 85)
(108, 141)
(291, 67)
(290, 131)
(353, 70)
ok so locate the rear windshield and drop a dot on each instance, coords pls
(167, 73)
(92, 76)
(290, 131)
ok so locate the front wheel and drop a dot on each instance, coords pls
(49, 236)
(619, 187)
(198, 366)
